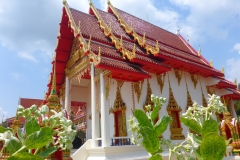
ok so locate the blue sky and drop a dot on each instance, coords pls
(28, 32)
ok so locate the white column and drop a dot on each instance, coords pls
(93, 108)
(67, 107)
(105, 126)
(61, 102)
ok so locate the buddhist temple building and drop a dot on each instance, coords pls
(108, 63)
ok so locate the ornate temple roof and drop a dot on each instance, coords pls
(125, 45)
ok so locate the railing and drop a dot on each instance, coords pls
(116, 141)
(121, 141)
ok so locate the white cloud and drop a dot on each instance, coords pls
(15, 75)
(27, 56)
(232, 69)
(31, 27)
(200, 19)
(236, 47)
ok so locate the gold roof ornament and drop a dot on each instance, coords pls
(223, 70)
(211, 63)
(199, 51)
(235, 81)
(64, 2)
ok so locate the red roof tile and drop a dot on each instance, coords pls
(153, 32)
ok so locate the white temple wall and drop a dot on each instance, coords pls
(180, 94)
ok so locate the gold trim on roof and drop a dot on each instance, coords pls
(161, 80)
(108, 33)
(223, 71)
(235, 82)
(129, 30)
(77, 33)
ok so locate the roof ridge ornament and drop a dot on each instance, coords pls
(108, 33)
(199, 51)
(211, 63)
(64, 2)
(223, 71)
(235, 82)
(129, 30)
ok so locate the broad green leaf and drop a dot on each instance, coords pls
(191, 124)
(39, 139)
(197, 139)
(156, 157)
(13, 146)
(21, 135)
(25, 156)
(162, 125)
(142, 118)
(150, 140)
(2, 129)
(213, 147)
(155, 113)
(32, 126)
(47, 152)
(209, 126)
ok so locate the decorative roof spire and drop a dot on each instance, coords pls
(223, 70)
(211, 63)
(53, 100)
(199, 51)
(235, 81)
(53, 89)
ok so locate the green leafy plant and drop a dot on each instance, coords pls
(38, 140)
(205, 143)
(145, 132)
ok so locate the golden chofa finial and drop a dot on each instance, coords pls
(108, 2)
(211, 63)
(223, 70)
(235, 81)
(90, 2)
(64, 2)
(199, 51)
